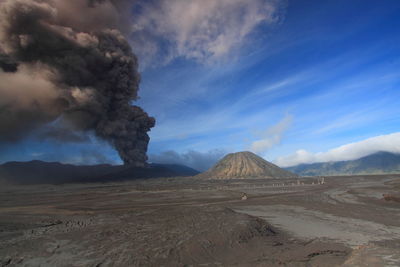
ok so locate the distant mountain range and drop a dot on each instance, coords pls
(378, 163)
(39, 172)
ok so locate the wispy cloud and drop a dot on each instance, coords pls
(87, 157)
(203, 30)
(362, 102)
(387, 143)
(335, 97)
(271, 136)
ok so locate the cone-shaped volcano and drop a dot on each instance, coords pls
(245, 165)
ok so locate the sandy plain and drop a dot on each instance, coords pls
(193, 222)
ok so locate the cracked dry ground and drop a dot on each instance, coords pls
(169, 224)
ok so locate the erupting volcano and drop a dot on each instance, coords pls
(69, 76)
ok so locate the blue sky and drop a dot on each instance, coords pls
(310, 77)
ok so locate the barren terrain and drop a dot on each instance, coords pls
(193, 222)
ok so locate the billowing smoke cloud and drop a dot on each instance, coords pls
(68, 60)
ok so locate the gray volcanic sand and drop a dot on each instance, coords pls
(192, 222)
(309, 224)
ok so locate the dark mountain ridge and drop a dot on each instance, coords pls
(39, 172)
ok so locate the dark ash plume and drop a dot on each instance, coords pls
(68, 60)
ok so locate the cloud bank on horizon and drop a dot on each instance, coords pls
(200, 161)
(356, 150)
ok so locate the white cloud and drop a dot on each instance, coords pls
(197, 160)
(387, 143)
(203, 30)
(36, 154)
(271, 136)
